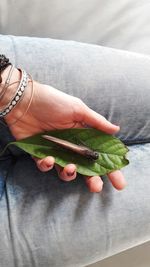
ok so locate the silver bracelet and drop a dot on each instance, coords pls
(18, 95)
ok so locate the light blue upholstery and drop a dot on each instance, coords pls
(44, 221)
(47, 222)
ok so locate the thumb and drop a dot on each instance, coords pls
(99, 122)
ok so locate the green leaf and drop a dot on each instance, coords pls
(112, 152)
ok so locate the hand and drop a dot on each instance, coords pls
(53, 109)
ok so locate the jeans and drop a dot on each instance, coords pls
(48, 222)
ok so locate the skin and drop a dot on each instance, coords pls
(52, 109)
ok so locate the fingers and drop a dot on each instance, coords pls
(94, 183)
(117, 179)
(67, 173)
(99, 122)
(45, 164)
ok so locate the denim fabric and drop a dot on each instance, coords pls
(48, 222)
(113, 82)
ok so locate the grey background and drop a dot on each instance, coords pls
(122, 24)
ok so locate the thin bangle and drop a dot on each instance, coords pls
(3, 121)
(18, 95)
(7, 82)
(28, 106)
(11, 85)
(10, 74)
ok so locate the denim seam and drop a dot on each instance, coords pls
(4, 179)
(137, 141)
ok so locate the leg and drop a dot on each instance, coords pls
(110, 81)
(54, 223)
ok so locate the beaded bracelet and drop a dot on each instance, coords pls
(28, 106)
(19, 93)
(8, 125)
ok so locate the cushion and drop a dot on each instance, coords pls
(47, 222)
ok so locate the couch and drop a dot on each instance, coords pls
(120, 219)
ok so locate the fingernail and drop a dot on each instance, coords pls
(70, 173)
(49, 165)
(117, 128)
(45, 165)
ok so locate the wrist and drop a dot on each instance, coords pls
(16, 85)
(21, 101)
